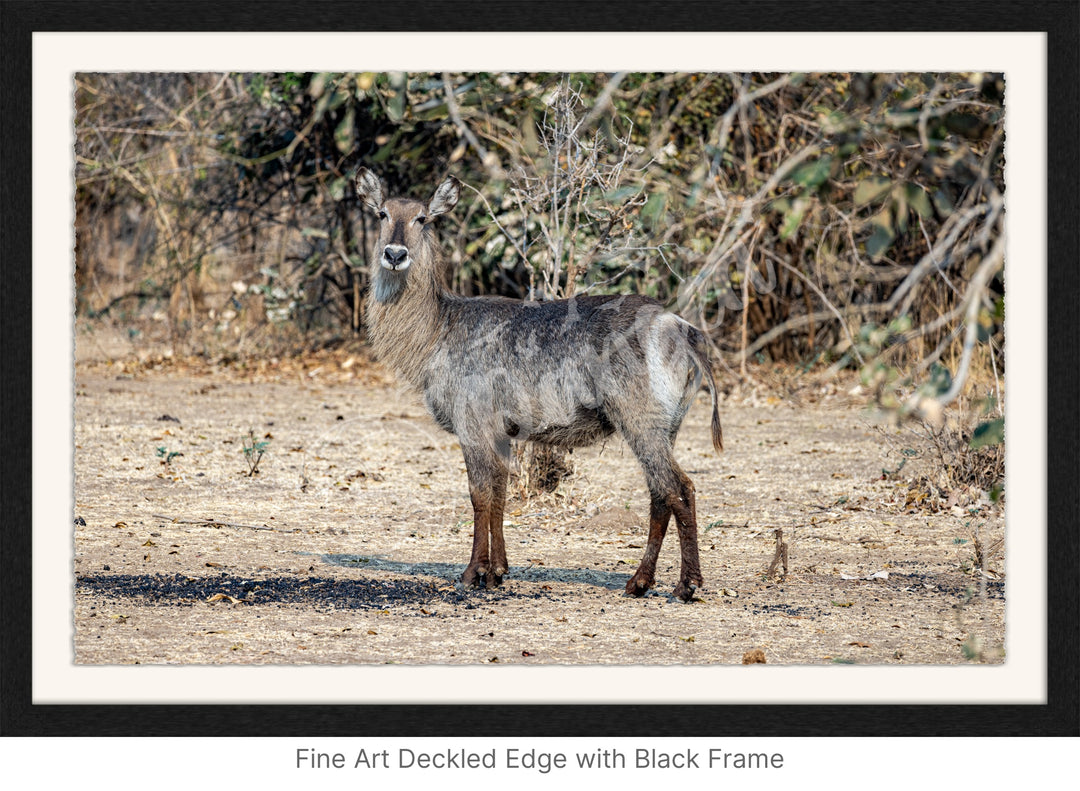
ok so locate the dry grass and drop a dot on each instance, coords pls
(539, 469)
(955, 475)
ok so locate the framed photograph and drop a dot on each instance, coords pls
(290, 288)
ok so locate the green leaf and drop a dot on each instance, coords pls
(900, 324)
(338, 188)
(319, 110)
(346, 131)
(621, 194)
(813, 174)
(653, 212)
(395, 105)
(883, 236)
(900, 208)
(940, 381)
(386, 151)
(337, 98)
(942, 202)
(919, 200)
(870, 189)
(992, 432)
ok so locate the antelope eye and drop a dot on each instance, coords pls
(382, 215)
(420, 218)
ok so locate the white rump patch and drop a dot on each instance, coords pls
(665, 360)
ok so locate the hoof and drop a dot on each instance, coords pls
(685, 591)
(638, 586)
(492, 580)
(473, 576)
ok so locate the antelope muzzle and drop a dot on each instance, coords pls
(395, 257)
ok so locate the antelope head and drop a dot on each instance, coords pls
(404, 240)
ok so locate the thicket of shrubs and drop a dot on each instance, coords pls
(848, 220)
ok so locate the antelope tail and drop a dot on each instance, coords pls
(701, 356)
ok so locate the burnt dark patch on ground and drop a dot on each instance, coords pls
(952, 585)
(320, 592)
(451, 571)
(782, 609)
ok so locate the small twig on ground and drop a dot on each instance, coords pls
(780, 556)
(216, 523)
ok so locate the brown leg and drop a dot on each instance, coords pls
(478, 563)
(487, 487)
(645, 576)
(672, 494)
(685, 511)
(498, 565)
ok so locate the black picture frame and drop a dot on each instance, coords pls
(1059, 716)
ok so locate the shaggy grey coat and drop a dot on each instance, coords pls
(566, 373)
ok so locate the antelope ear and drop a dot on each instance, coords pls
(445, 197)
(369, 189)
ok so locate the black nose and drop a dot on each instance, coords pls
(395, 255)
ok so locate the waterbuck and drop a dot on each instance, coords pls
(566, 372)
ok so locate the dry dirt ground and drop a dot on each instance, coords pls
(347, 543)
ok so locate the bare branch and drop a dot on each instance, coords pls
(988, 268)
(489, 160)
